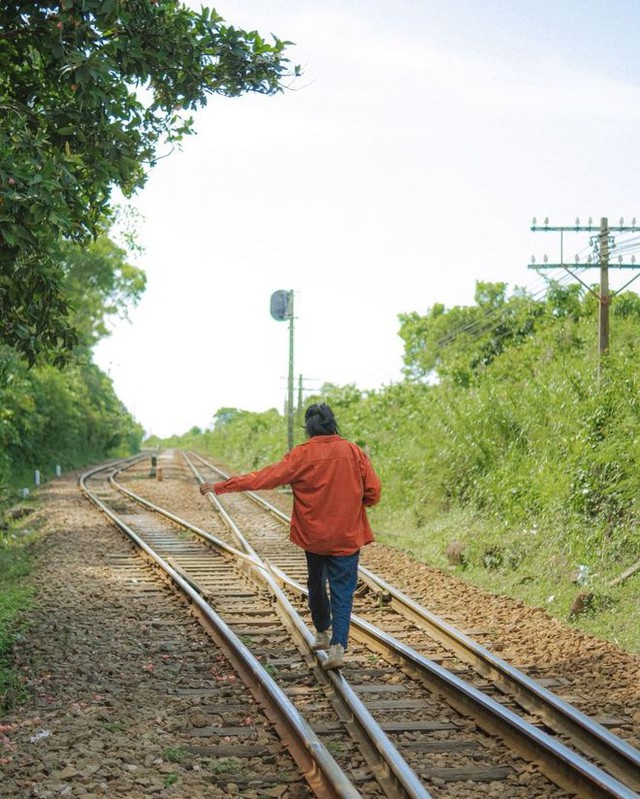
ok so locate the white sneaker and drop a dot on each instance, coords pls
(322, 640)
(335, 660)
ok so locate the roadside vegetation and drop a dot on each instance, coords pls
(508, 457)
(15, 599)
(92, 94)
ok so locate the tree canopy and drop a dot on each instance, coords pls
(90, 90)
(456, 343)
(71, 416)
(100, 284)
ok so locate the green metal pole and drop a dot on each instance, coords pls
(290, 402)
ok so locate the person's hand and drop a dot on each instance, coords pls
(206, 488)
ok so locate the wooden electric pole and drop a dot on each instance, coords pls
(605, 299)
(602, 243)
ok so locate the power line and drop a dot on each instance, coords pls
(602, 244)
(494, 316)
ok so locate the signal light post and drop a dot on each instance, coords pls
(281, 309)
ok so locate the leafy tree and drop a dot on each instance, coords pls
(565, 300)
(337, 396)
(89, 92)
(626, 305)
(458, 343)
(99, 283)
(69, 417)
(225, 416)
(236, 432)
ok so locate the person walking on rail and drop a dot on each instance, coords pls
(333, 482)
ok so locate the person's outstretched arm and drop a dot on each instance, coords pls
(277, 474)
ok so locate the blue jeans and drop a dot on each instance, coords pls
(332, 608)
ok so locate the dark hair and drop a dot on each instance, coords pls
(320, 421)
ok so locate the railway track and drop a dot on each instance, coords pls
(418, 710)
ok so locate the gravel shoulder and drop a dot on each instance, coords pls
(98, 666)
(99, 719)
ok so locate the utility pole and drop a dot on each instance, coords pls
(605, 299)
(602, 243)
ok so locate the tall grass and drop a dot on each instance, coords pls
(16, 599)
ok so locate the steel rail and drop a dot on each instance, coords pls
(363, 725)
(391, 768)
(265, 504)
(565, 767)
(589, 737)
(316, 764)
(622, 759)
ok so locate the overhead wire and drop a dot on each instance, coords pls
(492, 318)
(537, 290)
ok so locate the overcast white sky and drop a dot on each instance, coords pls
(405, 165)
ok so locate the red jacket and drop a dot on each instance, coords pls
(332, 481)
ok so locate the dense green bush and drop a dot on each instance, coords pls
(70, 416)
(51, 417)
